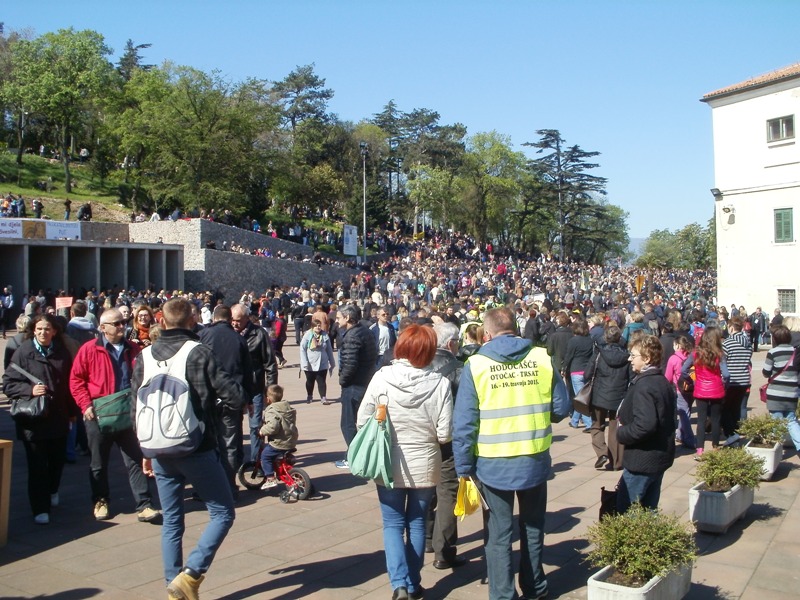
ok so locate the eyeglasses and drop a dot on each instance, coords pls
(114, 323)
(635, 355)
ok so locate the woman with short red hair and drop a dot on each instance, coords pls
(420, 407)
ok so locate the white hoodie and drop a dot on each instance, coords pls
(420, 407)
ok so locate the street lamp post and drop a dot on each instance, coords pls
(364, 146)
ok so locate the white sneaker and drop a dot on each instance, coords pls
(42, 519)
(342, 464)
(269, 483)
(54, 499)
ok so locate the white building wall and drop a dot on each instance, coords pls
(756, 177)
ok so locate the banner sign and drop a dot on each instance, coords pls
(39, 229)
(64, 302)
(63, 230)
(350, 240)
(10, 228)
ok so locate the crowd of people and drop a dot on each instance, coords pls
(473, 351)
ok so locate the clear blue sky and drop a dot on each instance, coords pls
(619, 77)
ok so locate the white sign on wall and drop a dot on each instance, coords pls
(59, 230)
(350, 240)
(10, 228)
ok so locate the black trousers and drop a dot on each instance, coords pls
(45, 464)
(100, 449)
(442, 525)
(320, 379)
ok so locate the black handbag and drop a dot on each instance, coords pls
(608, 501)
(29, 410)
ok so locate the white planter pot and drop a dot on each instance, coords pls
(673, 586)
(716, 511)
(772, 458)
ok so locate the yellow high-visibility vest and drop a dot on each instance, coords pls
(515, 402)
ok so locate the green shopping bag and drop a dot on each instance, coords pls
(370, 453)
(113, 412)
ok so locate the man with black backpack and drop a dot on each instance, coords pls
(198, 462)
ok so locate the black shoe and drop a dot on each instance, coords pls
(458, 561)
(428, 549)
(418, 595)
(601, 462)
(400, 593)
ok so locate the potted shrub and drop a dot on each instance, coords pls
(644, 554)
(726, 480)
(765, 439)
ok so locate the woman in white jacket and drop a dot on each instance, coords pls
(420, 407)
(316, 357)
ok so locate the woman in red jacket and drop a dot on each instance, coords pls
(711, 373)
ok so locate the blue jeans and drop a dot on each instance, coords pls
(644, 488)
(794, 426)
(268, 457)
(205, 472)
(404, 511)
(255, 423)
(685, 433)
(577, 386)
(498, 524)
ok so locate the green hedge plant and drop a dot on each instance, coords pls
(641, 544)
(763, 430)
(725, 468)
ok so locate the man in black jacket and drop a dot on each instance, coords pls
(358, 354)
(265, 368)
(442, 525)
(230, 350)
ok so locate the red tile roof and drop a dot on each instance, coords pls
(790, 72)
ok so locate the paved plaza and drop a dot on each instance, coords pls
(331, 546)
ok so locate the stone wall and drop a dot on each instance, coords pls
(230, 272)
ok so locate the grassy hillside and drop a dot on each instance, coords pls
(87, 187)
(22, 180)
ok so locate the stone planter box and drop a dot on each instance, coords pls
(714, 512)
(673, 586)
(772, 458)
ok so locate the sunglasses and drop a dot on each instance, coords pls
(114, 323)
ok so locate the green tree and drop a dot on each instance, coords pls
(199, 138)
(659, 251)
(571, 188)
(303, 95)
(59, 76)
(131, 60)
(691, 247)
(492, 177)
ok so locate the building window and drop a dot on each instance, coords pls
(780, 129)
(783, 225)
(786, 301)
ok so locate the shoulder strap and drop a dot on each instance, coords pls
(35, 380)
(786, 366)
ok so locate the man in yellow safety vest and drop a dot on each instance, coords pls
(507, 398)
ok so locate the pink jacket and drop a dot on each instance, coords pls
(674, 364)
